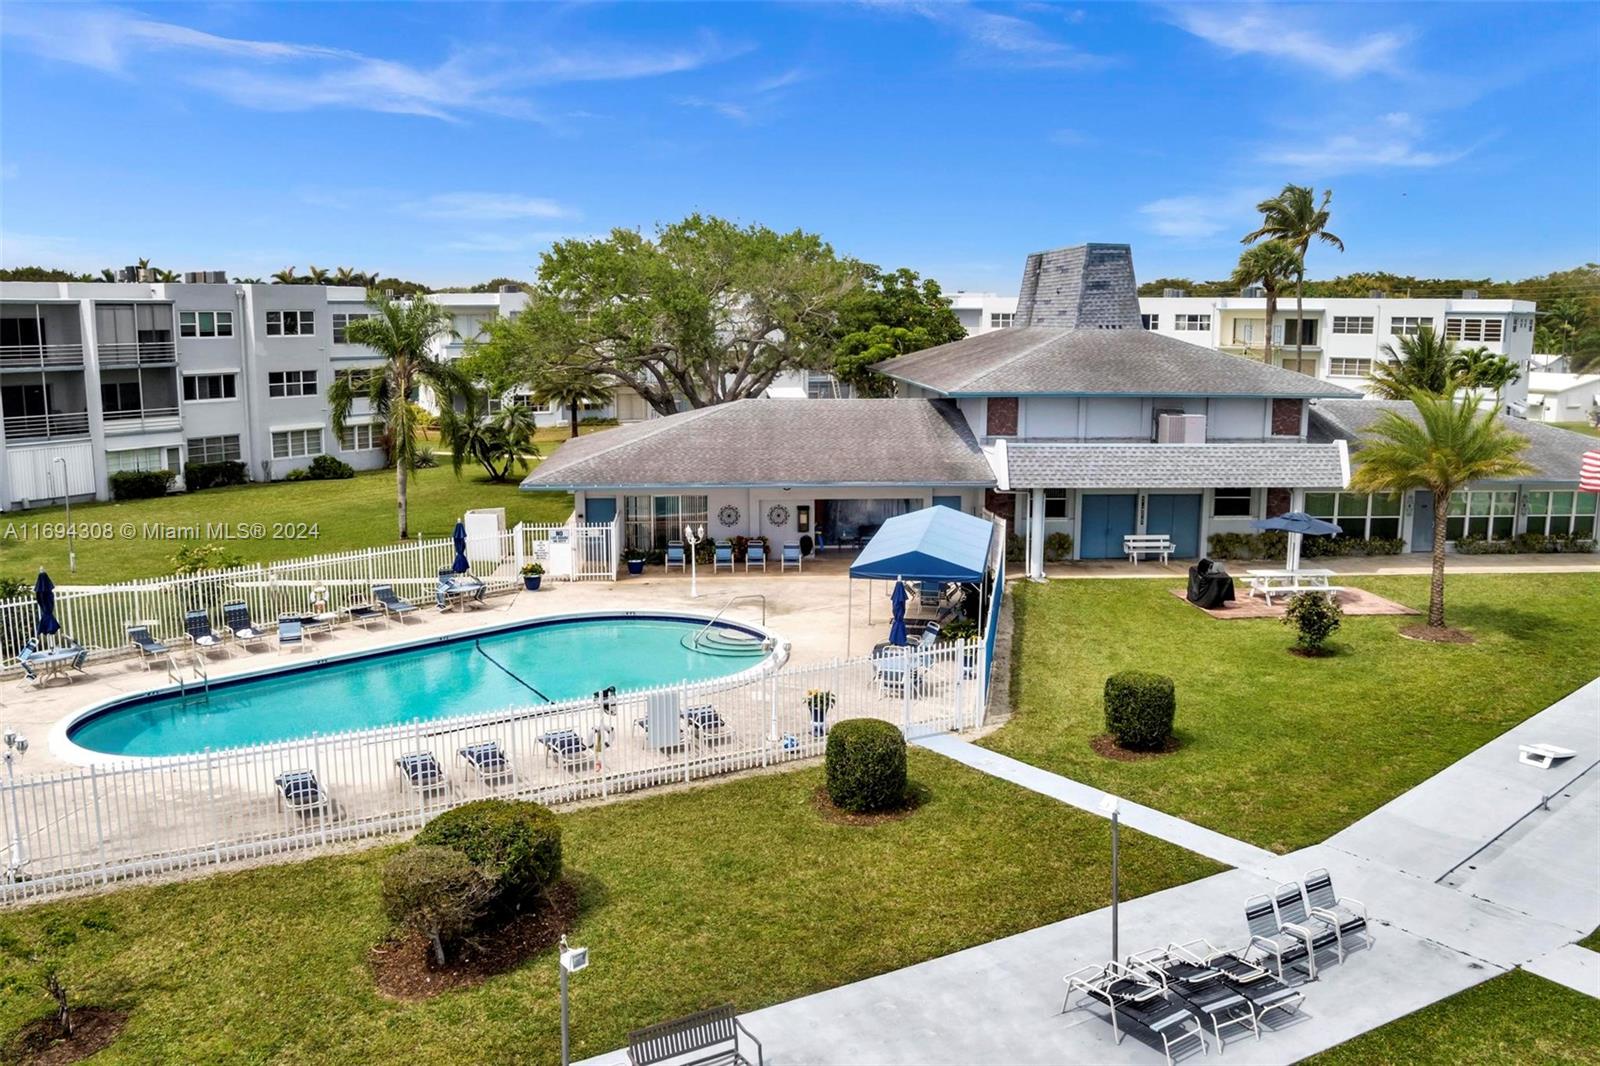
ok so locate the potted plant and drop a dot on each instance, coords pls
(531, 573)
(819, 702)
(635, 565)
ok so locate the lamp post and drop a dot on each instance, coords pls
(16, 748)
(691, 538)
(66, 498)
(572, 960)
(1112, 807)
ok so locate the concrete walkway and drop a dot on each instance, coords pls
(1468, 875)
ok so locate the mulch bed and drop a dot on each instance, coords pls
(403, 967)
(1106, 746)
(916, 795)
(93, 1029)
(1313, 653)
(1438, 635)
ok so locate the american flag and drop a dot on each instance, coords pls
(1589, 473)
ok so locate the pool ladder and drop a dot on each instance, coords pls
(198, 664)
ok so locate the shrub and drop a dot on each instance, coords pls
(140, 484)
(1140, 709)
(1016, 548)
(958, 629)
(532, 569)
(866, 765)
(200, 476)
(435, 891)
(1315, 615)
(517, 845)
(1058, 547)
(13, 587)
(196, 558)
(425, 458)
(329, 468)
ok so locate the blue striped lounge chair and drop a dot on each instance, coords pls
(298, 791)
(197, 626)
(790, 557)
(1136, 1002)
(392, 604)
(567, 749)
(237, 624)
(709, 727)
(150, 649)
(291, 632)
(722, 556)
(422, 772)
(675, 556)
(755, 554)
(488, 762)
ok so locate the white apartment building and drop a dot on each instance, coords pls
(1562, 397)
(981, 312)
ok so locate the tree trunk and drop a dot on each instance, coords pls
(438, 948)
(58, 992)
(572, 419)
(400, 496)
(1272, 312)
(1441, 504)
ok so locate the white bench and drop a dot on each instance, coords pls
(1136, 544)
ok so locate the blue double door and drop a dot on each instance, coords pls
(1106, 519)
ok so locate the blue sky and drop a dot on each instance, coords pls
(451, 143)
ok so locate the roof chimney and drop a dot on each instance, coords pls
(1090, 286)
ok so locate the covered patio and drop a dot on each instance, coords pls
(937, 545)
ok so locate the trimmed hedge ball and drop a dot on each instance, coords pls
(1140, 709)
(866, 765)
(516, 844)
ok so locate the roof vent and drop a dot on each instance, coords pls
(194, 277)
(1377, 294)
(1174, 294)
(1469, 294)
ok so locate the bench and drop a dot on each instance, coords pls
(1136, 544)
(711, 1034)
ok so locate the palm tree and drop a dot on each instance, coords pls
(247, 281)
(160, 274)
(570, 379)
(345, 276)
(285, 277)
(1448, 445)
(1270, 264)
(1293, 216)
(498, 443)
(404, 335)
(1564, 320)
(1423, 363)
(108, 274)
(316, 275)
(1476, 368)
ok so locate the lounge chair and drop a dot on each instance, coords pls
(197, 624)
(1271, 943)
(422, 772)
(1289, 899)
(236, 623)
(291, 632)
(1136, 1001)
(755, 554)
(298, 791)
(893, 667)
(1265, 992)
(675, 556)
(488, 762)
(458, 590)
(150, 649)
(1348, 916)
(709, 726)
(1203, 988)
(722, 556)
(392, 604)
(930, 594)
(567, 749)
(366, 615)
(790, 556)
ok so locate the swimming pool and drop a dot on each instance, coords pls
(529, 664)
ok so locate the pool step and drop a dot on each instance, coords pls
(725, 642)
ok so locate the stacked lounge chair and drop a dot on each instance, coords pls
(1136, 1002)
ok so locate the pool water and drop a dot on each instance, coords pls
(542, 663)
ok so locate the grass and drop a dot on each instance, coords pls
(1580, 427)
(739, 891)
(1279, 750)
(1515, 1017)
(1592, 941)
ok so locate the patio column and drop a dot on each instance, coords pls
(1036, 535)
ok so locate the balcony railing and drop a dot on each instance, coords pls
(36, 427)
(41, 356)
(137, 353)
(146, 418)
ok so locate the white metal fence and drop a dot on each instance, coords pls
(572, 551)
(98, 825)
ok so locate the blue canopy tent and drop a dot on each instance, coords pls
(934, 544)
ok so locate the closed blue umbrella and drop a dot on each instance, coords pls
(460, 565)
(897, 628)
(44, 590)
(1297, 524)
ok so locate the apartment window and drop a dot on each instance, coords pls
(1232, 503)
(291, 324)
(119, 396)
(213, 449)
(360, 380)
(1473, 329)
(826, 387)
(1299, 331)
(1150, 321)
(343, 319)
(1409, 325)
(295, 443)
(205, 323)
(362, 438)
(292, 383)
(1055, 503)
(1352, 323)
(139, 459)
(209, 387)
(1358, 514)
(19, 332)
(650, 521)
(1349, 368)
(1491, 515)
(1191, 323)
(1001, 319)
(1562, 512)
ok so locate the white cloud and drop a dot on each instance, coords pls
(509, 243)
(1201, 215)
(1392, 141)
(726, 108)
(747, 105)
(1277, 32)
(1007, 40)
(488, 206)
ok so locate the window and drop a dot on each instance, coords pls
(292, 383)
(651, 521)
(1150, 321)
(362, 438)
(213, 449)
(1352, 323)
(1192, 323)
(340, 321)
(19, 332)
(1232, 503)
(294, 443)
(1409, 325)
(1055, 503)
(1339, 367)
(1245, 330)
(1473, 329)
(119, 396)
(138, 459)
(1358, 514)
(1001, 319)
(360, 379)
(209, 387)
(1478, 513)
(1562, 512)
(1299, 331)
(826, 387)
(205, 323)
(291, 324)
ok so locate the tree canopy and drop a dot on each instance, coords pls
(891, 314)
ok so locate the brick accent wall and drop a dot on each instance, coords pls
(1286, 417)
(1002, 417)
(1003, 504)
(1278, 502)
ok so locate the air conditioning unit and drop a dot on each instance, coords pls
(194, 277)
(1377, 294)
(1181, 429)
(128, 274)
(217, 277)
(511, 288)
(1469, 294)
(1174, 294)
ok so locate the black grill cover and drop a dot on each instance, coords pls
(1209, 585)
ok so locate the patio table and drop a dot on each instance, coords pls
(1270, 582)
(54, 663)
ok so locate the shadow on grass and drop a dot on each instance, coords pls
(1514, 622)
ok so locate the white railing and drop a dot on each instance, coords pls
(136, 353)
(69, 424)
(96, 825)
(40, 356)
(140, 419)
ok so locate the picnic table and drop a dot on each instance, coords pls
(1269, 583)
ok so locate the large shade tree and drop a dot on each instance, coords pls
(1295, 217)
(1451, 443)
(403, 334)
(546, 351)
(891, 314)
(1272, 265)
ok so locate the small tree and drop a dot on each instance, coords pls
(44, 953)
(436, 892)
(1315, 616)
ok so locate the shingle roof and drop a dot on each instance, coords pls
(1105, 362)
(1176, 466)
(776, 442)
(1553, 452)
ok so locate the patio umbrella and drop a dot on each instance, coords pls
(897, 628)
(460, 564)
(1297, 524)
(44, 591)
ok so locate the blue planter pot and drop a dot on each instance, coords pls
(531, 581)
(635, 566)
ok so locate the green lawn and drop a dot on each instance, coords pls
(1592, 941)
(738, 891)
(1580, 427)
(1279, 750)
(1517, 1017)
